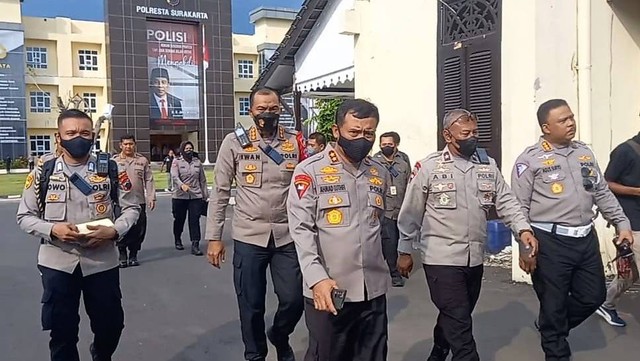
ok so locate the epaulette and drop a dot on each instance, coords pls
(376, 162)
(532, 149)
(431, 156)
(580, 143)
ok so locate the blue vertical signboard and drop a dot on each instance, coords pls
(13, 121)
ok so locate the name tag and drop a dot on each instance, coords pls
(393, 190)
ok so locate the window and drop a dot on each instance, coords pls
(265, 58)
(88, 59)
(90, 105)
(40, 102)
(36, 57)
(243, 105)
(40, 144)
(245, 68)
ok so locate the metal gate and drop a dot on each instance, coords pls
(469, 37)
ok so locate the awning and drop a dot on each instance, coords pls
(325, 59)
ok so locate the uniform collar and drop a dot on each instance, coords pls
(461, 163)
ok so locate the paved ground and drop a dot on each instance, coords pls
(179, 309)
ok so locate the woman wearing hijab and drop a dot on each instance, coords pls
(190, 190)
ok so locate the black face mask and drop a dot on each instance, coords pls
(355, 149)
(77, 147)
(187, 155)
(267, 121)
(388, 151)
(468, 146)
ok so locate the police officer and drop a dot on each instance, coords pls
(73, 261)
(142, 192)
(261, 161)
(399, 171)
(316, 143)
(336, 207)
(190, 192)
(558, 181)
(445, 208)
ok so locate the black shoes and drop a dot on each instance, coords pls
(94, 355)
(397, 282)
(283, 349)
(122, 258)
(438, 353)
(195, 248)
(179, 246)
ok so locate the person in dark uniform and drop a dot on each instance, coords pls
(190, 182)
(557, 182)
(74, 258)
(261, 162)
(336, 206)
(166, 167)
(400, 171)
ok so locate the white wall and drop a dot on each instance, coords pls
(395, 66)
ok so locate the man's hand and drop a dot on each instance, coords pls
(185, 188)
(216, 253)
(530, 243)
(66, 232)
(405, 264)
(628, 235)
(100, 235)
(151, 205)
(322, 295)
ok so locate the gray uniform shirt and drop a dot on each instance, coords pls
(139, 172)
(335, 214)
(398, 186)
(446, 206)
(261, 188)
(549, 183)
(191, 174)
(65, 203)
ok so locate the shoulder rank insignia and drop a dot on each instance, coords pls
(287, 146)
(253, 134)
(333, 156)
(374, 171)
(281, 132)
(584, 158)
(331, 179)
(329, 170)
(546, 146)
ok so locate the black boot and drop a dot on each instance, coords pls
(133, 259)
(94, 354)
(195, 248)
(123, 258)
(179, 245)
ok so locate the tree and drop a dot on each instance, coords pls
(326, 116)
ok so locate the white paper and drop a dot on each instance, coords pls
(82, 228)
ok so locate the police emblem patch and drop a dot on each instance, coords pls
(99, 197)
(331, 179)
(375, 181)
(335, 200)
(444, 199)
(290, 166)
(125, 182)
(378, 201)
(250, 167)
(97, 179)
(557, 188)
(334, 217)
(288, 146)
(549, 162)
(101, 208)
(53, 197)
(521, 168)
(302, 182)
(29, 181)
(250, 179)
(250, 149)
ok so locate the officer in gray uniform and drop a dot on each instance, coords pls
(445, 209)
(190, 192)
(558, 182)
(336, 207)
(72, 261)
(261, 161)
(399, 172)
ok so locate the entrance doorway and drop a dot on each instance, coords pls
(162, 143)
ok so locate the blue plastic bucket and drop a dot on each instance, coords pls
(498, 236)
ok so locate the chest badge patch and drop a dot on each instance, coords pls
(334, 217)
(557, 188)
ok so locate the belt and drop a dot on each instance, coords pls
(575, 232)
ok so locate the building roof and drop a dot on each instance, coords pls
(278, 74)
(272, 13)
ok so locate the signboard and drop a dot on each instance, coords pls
(174, 58)
(13, 121)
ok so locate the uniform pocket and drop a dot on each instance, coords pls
(443, 195)
(334, 209)
(486, 193)
(47, 309)
(55, 206)
(376, 207)
(237, 273)
(250, 173)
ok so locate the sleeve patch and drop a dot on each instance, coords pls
(521, 168)
(302, 182)
(415, 171)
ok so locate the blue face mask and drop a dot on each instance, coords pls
(311, 150)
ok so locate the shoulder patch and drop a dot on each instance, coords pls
(415, 171)
(521, 168)
(29, 181)
(302, 182)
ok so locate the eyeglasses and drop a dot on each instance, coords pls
(587, 178)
